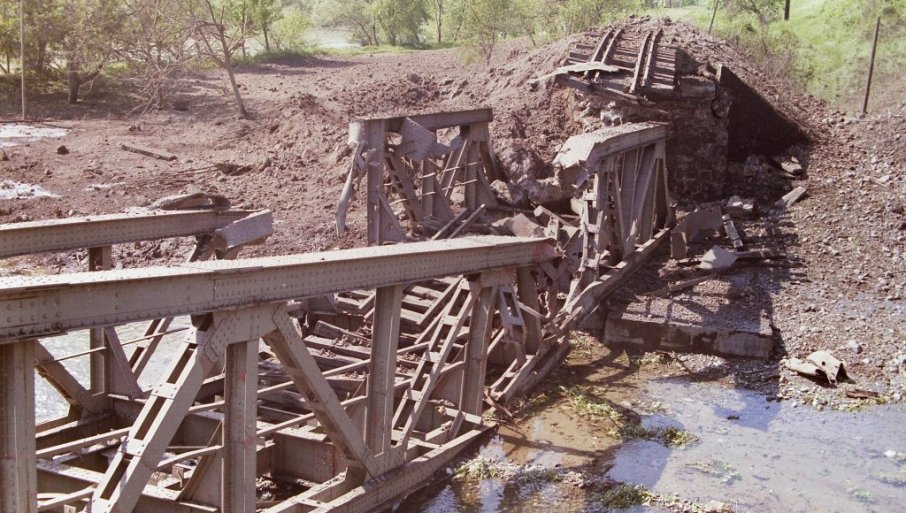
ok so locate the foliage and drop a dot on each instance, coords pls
(156, 44)
(625, 496)
(289, 31)
(587, 405)
(477, 469)
(401, 20)
(718, 469)
(480, 24)
(358, 15)
(579, 15)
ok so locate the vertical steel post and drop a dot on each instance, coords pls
(476, 364)
(382, 368)
(871, 66)
(786, 10)
(376, 135)
(18, 474)
(239, 428)
(99, 259)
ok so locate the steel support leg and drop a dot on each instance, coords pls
(18, 474)
(385, 336)
(239, 428)
(476, 362)
(99, 259)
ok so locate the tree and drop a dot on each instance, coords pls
(401, 20)
(481, 23)
(439, 19)
(288, 32)
(9, 34)
(157, 43)
(579, 15)
(220, 30)
(265, 14)
(359, 15)
(85, 41)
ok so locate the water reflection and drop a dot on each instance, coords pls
(754, 455)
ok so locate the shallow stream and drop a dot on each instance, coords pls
(752, 454)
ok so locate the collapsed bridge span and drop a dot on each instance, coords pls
(344, 378)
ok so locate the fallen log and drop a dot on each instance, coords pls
(150, 152)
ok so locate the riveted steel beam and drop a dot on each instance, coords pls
(104, 230)
(45, 305)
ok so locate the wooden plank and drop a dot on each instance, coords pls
(148, 151)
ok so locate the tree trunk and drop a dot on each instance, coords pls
(267, 43)
(440, 20)
(374, 32)
(74, 83)
(240, 106)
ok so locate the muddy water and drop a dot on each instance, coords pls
(752, 454)
(773, 457)
(49, 404)
(14, 134)
(10, 189)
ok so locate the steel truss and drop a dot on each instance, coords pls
(351, 437)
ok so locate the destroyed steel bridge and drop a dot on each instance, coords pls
(376, 363)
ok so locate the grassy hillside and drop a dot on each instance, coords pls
(829, 42)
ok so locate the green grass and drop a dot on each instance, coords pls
(831, 57)
(718, 469)
(587, 405)
(477, 469)
(625, 496)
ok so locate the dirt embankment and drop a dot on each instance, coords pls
(849, 234)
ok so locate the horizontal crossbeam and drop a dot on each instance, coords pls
(36, 306)
(435, 121)
(105, 230)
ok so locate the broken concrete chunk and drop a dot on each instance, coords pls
(708, 218)
(741, 208)
(792, 167)
(508, 194)
(254, 229)
(418, 142)
(789, 198)
(520, 225)
(819, 364)
(717, 258)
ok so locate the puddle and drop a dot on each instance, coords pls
(17, 190)
(774, 457)
(14, 134)
(753, 455)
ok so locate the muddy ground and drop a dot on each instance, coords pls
(846, 240)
